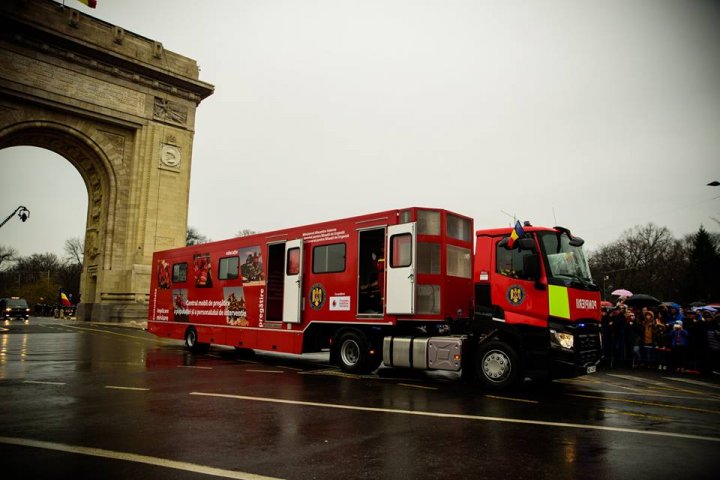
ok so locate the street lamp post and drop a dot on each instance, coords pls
(21, 211)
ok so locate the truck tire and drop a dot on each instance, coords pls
(353, 353)
(497, 365)
(191, 340)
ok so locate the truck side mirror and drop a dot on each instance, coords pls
(527, 244)
(577, 242)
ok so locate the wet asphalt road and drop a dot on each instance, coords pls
(79, 400)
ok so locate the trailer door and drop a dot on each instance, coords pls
(400, 266)
(292, 295)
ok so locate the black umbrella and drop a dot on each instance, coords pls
(642, 300)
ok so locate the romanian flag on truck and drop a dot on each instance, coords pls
(515, 234)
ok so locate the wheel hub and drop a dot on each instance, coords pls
(350, 352)
(496, 365)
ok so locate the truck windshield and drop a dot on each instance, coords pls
(566, 262)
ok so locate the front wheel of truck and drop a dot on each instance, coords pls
(497, 365)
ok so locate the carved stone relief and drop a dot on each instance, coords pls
(170, 112)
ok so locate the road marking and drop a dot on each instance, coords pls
(115, 387)
(658, 385)
(512, 399)
(598, 382)
(634, 414)
(290, 368)
(264, 371)
(44, 383)
(692, 382)
(134, 337)
(459, 416)
(649, 404)
(416, 386)
(134, 457)
(336, 373)
(194, 366)
(663, 395)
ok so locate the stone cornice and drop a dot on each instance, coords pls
(31, 34)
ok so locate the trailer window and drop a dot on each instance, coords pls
(179, 272)
(401, 250)
(428, 222)
(293, 261)
(228, 268)
(329, 258)
(428, 299)
(428, 258)
(459, 263)
(458, 228)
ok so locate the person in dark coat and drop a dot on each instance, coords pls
(679, 345)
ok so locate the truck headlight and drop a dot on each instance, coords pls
(562, 340)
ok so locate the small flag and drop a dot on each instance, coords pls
(89, 3)
(515, 234)
(64, 300)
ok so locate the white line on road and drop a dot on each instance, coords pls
(497, 397)
(264, 371)
(663, 395)
(44, 383)
(193, 366)
(693, 382)
(459, 416)
(115, 387)
(133, 457)
(417, 386)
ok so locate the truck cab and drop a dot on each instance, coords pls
(535, 302)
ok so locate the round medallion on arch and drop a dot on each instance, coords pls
(170, 156)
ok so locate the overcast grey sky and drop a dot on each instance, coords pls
(600, 114)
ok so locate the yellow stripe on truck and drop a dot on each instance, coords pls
(559, 301)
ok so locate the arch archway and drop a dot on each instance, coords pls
(121, 110)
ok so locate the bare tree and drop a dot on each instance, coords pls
(74, 250)
(194, 237)
(645, 259)
(7, 254)
(244, 232)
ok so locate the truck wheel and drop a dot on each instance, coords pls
(497, 365)
(191, 340)
(353, 353)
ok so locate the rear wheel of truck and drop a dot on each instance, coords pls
(497, 365)
(191, 340)
(353, 353)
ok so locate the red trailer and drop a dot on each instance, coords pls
(394, 286)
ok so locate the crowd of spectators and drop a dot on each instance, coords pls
(666, 337)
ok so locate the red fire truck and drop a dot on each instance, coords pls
(398, 287)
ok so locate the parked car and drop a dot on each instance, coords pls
(14, 307)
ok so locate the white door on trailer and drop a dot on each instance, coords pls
(292, 295)
(400, 265)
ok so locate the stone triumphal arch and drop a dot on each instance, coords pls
(121, 109)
